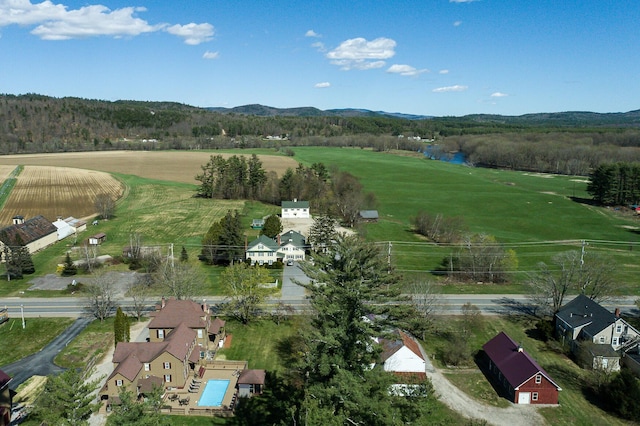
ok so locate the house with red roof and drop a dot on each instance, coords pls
(5, 399)
(524, 381)
(403, 356)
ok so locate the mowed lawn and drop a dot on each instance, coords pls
(527, 212)
(263, 343)
(17, 343)
(574, 407)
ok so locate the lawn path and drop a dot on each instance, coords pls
(454, 398)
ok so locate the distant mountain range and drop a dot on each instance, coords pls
(267, 111)
(570, 118)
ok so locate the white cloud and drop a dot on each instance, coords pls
(322, 85)
(499, 95)
(312, 33)
(211, 55)
(319, 46)
(407, 70)
(457, 23)
(192, 33)
(58, 22)
(456, 88)
(358, 53)
(443, 72)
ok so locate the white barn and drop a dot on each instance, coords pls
(403, 355)
(295, 209)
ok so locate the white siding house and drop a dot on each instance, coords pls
(295, 210)
(262, 250)
(403, 355)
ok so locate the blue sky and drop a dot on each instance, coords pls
(431, 57)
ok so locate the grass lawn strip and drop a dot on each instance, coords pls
(18, 343)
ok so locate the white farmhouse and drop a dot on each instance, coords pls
(295, 209)
(403, 355)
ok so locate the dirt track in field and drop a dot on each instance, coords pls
(175, 166)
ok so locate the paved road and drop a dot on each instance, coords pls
(449, 304)
(41, 363)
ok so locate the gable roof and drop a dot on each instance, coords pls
(390, 347)
(176, 312)
(251, 377)
(295, 204)
(516, 365)
(264, 240)
(292, 237)
(27, 232)
(583, 311)
(216, 325)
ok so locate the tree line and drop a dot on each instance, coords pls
(614, 184)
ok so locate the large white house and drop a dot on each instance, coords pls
(262, 250)
(292, 246)
(295, 209)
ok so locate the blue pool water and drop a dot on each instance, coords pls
(213, 393)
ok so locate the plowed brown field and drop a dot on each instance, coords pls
(176, 166)
(57, 191)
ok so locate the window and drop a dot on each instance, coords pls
(118, 382)
(167, 378)
(538, 379)
(601, 339)
(199, 333)
(147, 366)
(619, 328)
(534, 396)
(167, 365)
(160, 334)
(614, 341)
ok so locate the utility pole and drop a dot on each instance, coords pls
(389, 258)
(22, 314)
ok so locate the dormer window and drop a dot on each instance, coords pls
(538, 379)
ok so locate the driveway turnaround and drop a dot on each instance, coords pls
(41, 363)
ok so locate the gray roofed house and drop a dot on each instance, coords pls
(585, 319)
(295, 209)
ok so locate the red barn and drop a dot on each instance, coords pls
(523, 379)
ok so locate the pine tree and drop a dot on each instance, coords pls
(69, 268)
(184, 256)
(25, 261)
(272, 226)
(121, 328)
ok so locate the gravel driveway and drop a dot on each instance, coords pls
(55, 282)
(454, 398)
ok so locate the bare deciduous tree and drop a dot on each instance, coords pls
(101, 295)
(425, 299)
(139, 291)
(105, 205)
(179, 280)
(588, 273)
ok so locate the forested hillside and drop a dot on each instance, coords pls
(569, 142)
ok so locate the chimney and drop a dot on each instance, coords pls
(520, 347)
(163, 303)
(205, 307)
(617, 312)
(279, 239)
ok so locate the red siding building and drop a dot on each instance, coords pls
(520, 375)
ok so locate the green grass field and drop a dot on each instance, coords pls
(527, 212)
(17, 343)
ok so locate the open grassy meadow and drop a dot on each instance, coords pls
(17, 343)
(533, 214)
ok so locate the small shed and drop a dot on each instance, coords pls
(368, 215)
(250, 382)
(97, 239)
(257, 223)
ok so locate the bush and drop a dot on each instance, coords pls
(456, 351)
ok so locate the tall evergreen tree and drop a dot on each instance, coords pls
(184, 256)
(25, 262)
(67, 399)
(121, 329)
(69, 268)
(272, 226)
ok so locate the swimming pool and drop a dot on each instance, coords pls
(213, 393)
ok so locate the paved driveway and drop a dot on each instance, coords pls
(290, 290)
(41, 363)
